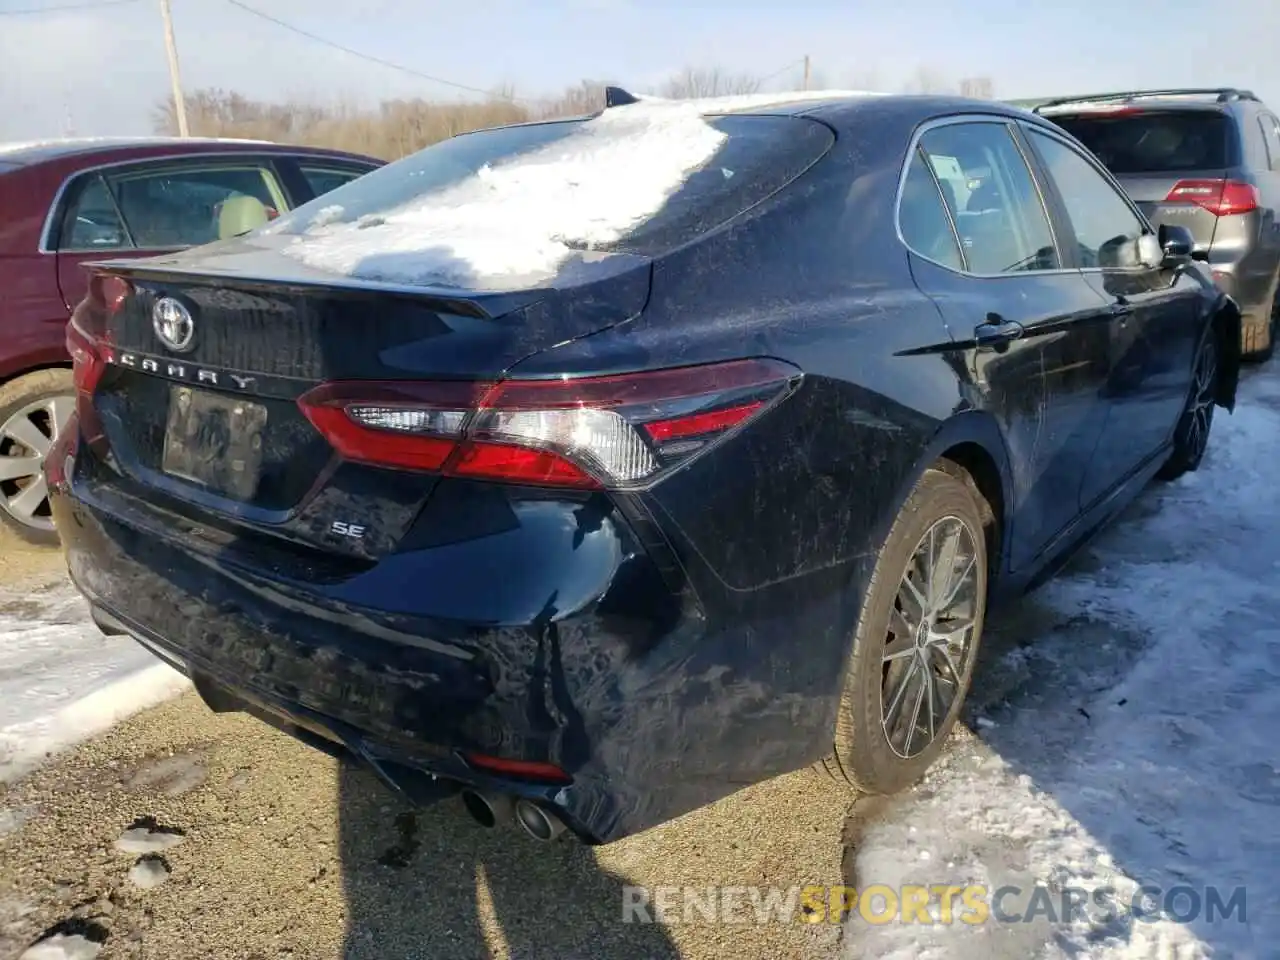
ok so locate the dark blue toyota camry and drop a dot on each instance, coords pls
(597, 468)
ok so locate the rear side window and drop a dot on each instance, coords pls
(923, 219)
(91, 221)
(635, 180)
(1155, 141)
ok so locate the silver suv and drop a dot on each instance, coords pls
(1205, 159)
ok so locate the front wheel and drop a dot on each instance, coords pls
(916, 641)
(1191, 435)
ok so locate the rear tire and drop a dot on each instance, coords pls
(1191, 435)
(916, 640)
(1251, 337)
(33, 409)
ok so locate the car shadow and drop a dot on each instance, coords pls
(432, 883)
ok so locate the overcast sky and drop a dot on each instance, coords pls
(100, 70)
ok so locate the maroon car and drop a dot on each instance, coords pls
(65, 203)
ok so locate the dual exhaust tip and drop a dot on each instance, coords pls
(490, 809)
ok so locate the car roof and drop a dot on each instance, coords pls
(835, 107)
(41, 151)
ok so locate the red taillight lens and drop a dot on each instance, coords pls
(521, 769)
(87, 362)
(109, 293)
(612, 432)
(1222, 198)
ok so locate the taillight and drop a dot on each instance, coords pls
(520, 769)
(88, 343)
(610, 432)
(87, 363)
(1222, 198)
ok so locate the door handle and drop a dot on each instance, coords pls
(997, 331)
(1122, 308)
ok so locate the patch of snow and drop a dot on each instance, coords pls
(62, 681)
(147, 840)
(62, 947)
(517, 222)
(13, 819)
(327, 215)
(1139, 746)
(148, 873)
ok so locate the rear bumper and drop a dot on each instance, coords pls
(611, 675)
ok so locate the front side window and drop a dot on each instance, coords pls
(182, 206)
(993, 198)
(1106, 228)
(322, 180)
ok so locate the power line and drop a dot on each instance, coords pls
(363, 56)
(66, 6)
(779, 72)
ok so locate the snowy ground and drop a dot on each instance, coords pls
(1129, 733)
(61, 680)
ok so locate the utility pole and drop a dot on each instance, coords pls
(806, 73)
(179, 105)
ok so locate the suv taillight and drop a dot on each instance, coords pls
(1222, 198)
(615, 432)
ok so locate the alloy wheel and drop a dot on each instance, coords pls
(25, 439)
(1200, 405)
(929, 647)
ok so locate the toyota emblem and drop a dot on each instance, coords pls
(173, 324)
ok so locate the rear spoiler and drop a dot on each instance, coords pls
(482, 305)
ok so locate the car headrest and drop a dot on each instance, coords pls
(240, 214)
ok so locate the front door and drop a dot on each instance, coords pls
(1155, 315)
(1035, 334)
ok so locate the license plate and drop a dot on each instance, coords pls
(214, 441)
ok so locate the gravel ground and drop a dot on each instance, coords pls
(288, 853)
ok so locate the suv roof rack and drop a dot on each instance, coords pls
(1220, 94)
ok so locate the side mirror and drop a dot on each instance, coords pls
(1149, 252)
(1177, 245)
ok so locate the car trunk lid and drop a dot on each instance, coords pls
(213, 427)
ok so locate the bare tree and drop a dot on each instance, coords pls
(695, 82)
(980, 88)
(395, 128)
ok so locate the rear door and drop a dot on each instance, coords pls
(1034, 333)
(152, 207)
(1154, 314)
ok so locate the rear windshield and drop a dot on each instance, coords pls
(1155, 141)
(640, 179)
